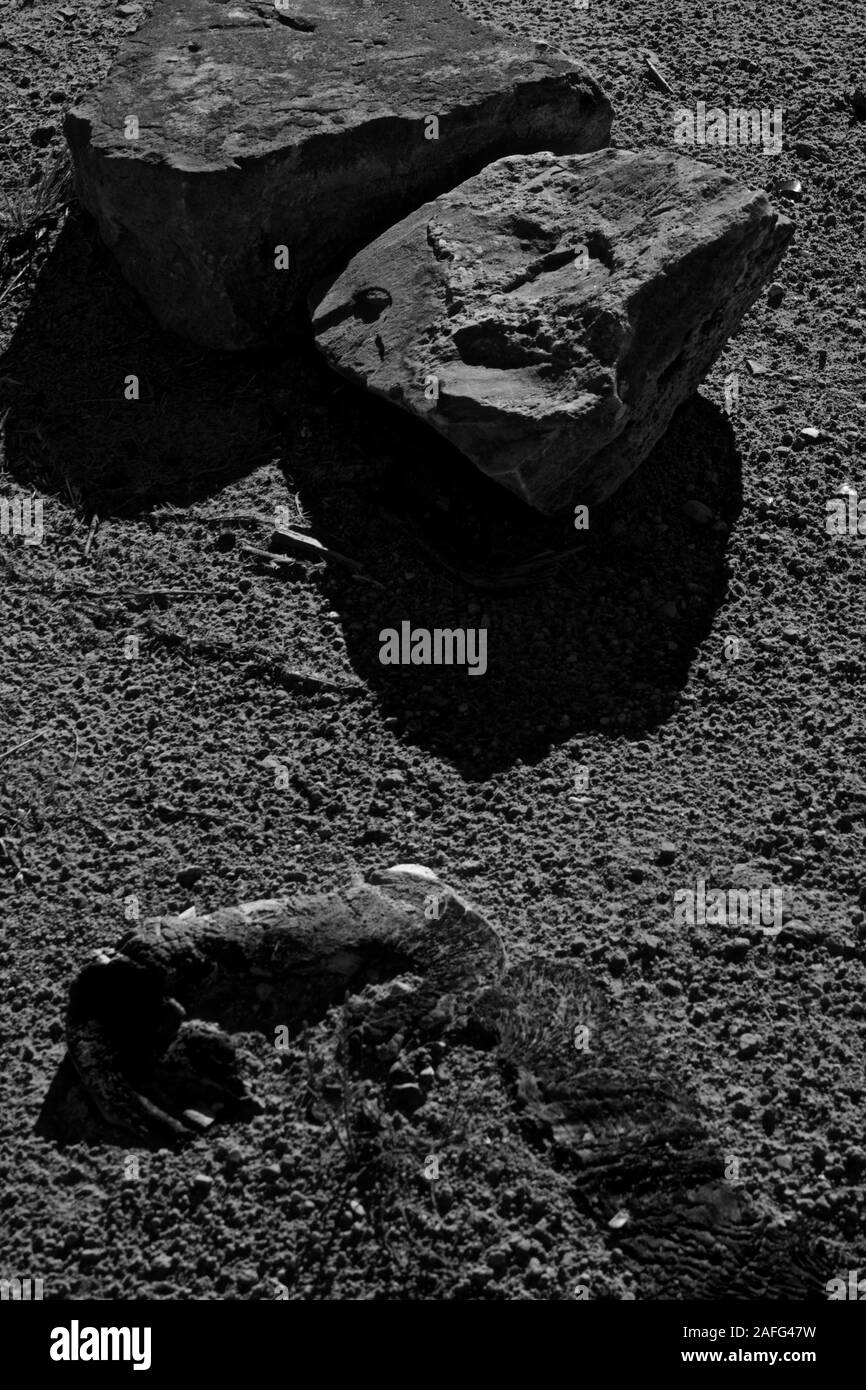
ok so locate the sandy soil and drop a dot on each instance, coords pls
(147, 775)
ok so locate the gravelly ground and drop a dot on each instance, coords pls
(748, 770)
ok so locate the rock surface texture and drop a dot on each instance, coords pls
(227, 129)
(550, 314)
(271, 963)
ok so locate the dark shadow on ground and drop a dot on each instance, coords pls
(201, 420)
(605, 640)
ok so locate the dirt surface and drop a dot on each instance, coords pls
(146, 771)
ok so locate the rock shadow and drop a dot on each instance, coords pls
(201, 420)
(598, 636)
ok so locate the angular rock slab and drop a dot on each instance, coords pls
(550, 314)
(263, 125)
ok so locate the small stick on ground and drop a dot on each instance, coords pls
(90, 535)
(661, 82)
(254, 662)
(75, 753)
(307, 549)
(7, 752)
(229, 519)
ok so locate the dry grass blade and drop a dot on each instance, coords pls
(23, 217)
(7, 752)
(49, 197)
(94, 523)
(294, 543)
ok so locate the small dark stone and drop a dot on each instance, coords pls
(855, 1164)
(737, 949)
(408, 1098)
(648, 945)
(187, 878)
(300, 22)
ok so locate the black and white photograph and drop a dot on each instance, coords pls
(432, 735)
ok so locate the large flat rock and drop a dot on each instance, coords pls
(550, 314)
(309, 127)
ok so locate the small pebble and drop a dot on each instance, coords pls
(697, 511)
(521, 1249)
(648, 945)
(617, 963)
(408, 1098)
(855, 1164)
(393, 778)
(738, 948)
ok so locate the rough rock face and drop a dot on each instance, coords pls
(264, 964)
(259, 126)
(550, 314)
